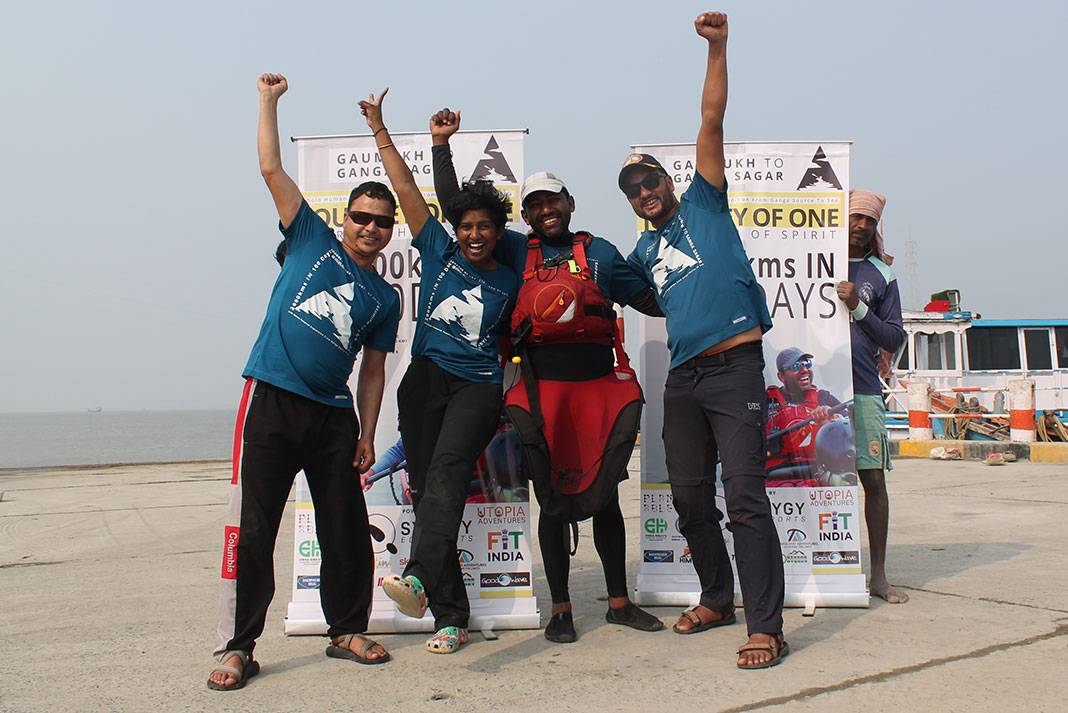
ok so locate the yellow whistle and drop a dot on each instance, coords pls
(516, 360)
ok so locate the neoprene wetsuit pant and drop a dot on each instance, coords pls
(609, 537)
(278, 434)
(445, 424)
(714, 407)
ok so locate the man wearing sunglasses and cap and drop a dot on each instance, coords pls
(297, 412)
(714, 396)
(875, 322)
(798, 405)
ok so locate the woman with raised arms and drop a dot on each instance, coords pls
(450, 398)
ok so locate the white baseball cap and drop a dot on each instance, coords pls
(540, 181)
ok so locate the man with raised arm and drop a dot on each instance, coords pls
(875, 322)
(571, 375)
(297, 413)
(714, 395)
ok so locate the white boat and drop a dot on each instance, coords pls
(956, 349)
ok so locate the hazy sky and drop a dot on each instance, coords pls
(138, 234)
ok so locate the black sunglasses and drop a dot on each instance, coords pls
(650, 182)
(359, 217)
(800, 364)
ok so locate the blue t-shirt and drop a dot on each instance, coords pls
(617, 280)
(323, 309)
(704, 283)
(462, 308)
(876, 322)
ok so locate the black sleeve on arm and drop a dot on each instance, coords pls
(445, 184)
(645, 302)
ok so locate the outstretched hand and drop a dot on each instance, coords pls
(712, 26)
(371, 108)
(445, 123)
(272, 85)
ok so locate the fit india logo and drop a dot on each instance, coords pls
(834, 526)
(503, 546)
(494, 166)
(656, 526)
(819, 176)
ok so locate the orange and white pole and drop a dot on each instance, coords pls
(920, 411)
(1022, 410)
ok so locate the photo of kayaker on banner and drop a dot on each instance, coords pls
(810, 431)
(498, 477)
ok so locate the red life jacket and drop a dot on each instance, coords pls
(561, 301)
(577, 436)
(797, 448)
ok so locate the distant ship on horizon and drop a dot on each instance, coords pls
(96, 409)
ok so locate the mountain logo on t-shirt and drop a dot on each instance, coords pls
(333, 305)
(465, 313)
(819, 176)
(495, 168)
(671, 266)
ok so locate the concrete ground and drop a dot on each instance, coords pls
(108, 582)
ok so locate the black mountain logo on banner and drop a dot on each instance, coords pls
(819, 176)
(494, 168)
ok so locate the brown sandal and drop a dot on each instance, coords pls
(777, 646)
(691, 615)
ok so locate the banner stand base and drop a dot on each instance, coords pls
(660, 590)
(805, 600)
(306, 619)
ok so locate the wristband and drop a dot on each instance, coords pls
(386, 146)
(376, 133)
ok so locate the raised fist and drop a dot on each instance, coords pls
(712, 26)
(445, 123)
(272, 85)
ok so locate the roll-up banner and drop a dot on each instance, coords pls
(790, 203)
(494, 539)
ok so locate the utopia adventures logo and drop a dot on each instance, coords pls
(819, 176)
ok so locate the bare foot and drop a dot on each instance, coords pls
(884, 590)
(760, 650)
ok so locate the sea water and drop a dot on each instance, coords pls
(87, 438)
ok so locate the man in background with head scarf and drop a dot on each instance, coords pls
(874, 304)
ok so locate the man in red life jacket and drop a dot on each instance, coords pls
(792, 456)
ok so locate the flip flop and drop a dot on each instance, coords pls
(339, 649)
(694, 618)
(781, 651)
(249, 668)
(407, 593)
